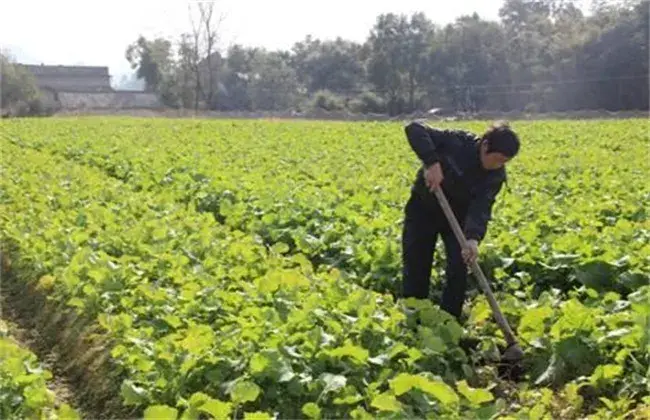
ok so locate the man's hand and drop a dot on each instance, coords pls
(433, 176)
(470, 254)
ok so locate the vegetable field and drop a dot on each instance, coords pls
(23, 380)
(250, 269)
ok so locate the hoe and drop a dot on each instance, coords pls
(513, 352)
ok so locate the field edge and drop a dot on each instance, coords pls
(79, 352)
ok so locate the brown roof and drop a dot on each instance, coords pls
(60, 70)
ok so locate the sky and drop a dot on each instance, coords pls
(91, 32)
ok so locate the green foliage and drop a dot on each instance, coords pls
(152, 60)
(367, 103)
(397, 65)
(19, 95)
(539, 56)
(327, 101)
(273, 85)
(23, 384)
(334, 65)
(245, 268)
(204, 318)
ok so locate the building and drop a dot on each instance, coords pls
(85, 87)
(71, 78)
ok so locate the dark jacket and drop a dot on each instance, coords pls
(470, 189)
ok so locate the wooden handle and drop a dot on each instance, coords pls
(476, 269)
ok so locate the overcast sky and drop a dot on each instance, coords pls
(92, 32)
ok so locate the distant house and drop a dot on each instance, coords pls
(84, 87)
(71, 78)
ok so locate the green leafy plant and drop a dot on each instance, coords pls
(247, 269)
(23, 384)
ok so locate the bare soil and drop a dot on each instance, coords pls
(82, 373)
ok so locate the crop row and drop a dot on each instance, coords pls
(154, 272)
(202, 318)
(23, 384)
(335, 192)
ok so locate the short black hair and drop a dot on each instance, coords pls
(501, 138)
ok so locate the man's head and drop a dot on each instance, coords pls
(499, 144)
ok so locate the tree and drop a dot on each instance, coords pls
(186, 72)
(528, 29)
(541, 55)
(471, 64)
(398, 49)
(335, 65)
(205, 36)
(152, 61)
(19, 94)
(418, 41)
(274, 83)
(237, 75)
(618, 61)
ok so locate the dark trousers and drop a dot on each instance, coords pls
(423, 224)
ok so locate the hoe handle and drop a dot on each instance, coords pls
(476, 269)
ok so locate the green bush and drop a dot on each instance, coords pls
(19, 95)
(328, 101)
(368, 102)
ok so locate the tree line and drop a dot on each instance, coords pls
(540, 56)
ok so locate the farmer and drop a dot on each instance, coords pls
(470, 170)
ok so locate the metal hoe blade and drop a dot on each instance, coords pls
(513, 352)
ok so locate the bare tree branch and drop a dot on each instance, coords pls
(205, 37)
(194, 63)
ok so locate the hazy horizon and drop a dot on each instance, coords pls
(72, 32)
